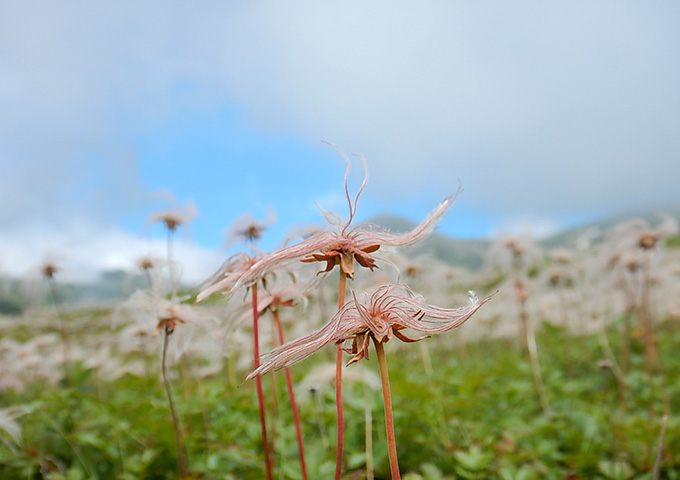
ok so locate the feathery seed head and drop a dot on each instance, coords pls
(246, 228)
(167, 313)
(174, 216)
(230, 273)
(647, 240)
(273, 299)
(49, 269)
(521, 289)
(146, 263)
(347, 245)
(381, 315)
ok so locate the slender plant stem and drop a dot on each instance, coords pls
(616, 369)
(529, 342)
(536, 370)
(274, 400)
(293, 403)
(387, 399)
(427, 362)
(171, 264)
(147, 272)
(62, 324)
(258, 381)
(338, 384)
(60, 466)
(645, 318)
(175, 420)
(273, 409)
(625, 347)
(651, 351)
(204, 412)
(368, 432)
(319, 421)
(659, 449)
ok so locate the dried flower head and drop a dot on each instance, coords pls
(521, 289)
(555, 276)
(512, 252)
(632, 261)
(638, 234)
(49, 269)
(381, 316)
(174, 216)
(146, 262)
(412, 271)
(515, 247)
(345, 245)
(167, 313)
(246, 228)
(273, 299)
(229, 274)
(562, 256)
(647, 240)
(169, 319)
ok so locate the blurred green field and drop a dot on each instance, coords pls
(474, 416)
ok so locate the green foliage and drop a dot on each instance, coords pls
(475, 417)
(673, 242)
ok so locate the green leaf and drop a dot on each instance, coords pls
(474, 458)
(615, 470)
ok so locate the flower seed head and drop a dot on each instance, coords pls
(381, 316)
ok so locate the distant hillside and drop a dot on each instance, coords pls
(652, 216)
(114, 285)
(454, 251)
(468, 253)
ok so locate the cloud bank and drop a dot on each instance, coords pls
(543, 111)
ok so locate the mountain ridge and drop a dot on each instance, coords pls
(470, 253)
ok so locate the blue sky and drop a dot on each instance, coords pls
(547, 115)
(226, 166)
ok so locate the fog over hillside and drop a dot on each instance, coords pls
(115, 284)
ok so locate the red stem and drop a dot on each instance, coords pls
(293, 404)
(258, 381)
(338, 384)
(389, 420)
(181, 460)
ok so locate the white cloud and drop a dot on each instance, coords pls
(554, 109)
(544, 111)
(527, 226)
(83, 251)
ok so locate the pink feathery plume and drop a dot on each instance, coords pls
(344, 246)
(229, 274)
(382, 315)
(175, 215)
